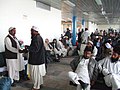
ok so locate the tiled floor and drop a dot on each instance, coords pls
(55, 79)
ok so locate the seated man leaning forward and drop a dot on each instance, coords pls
(86, 70)
(110, 67)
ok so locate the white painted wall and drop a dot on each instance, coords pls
(106, 27)
(92, 27)
(23, 14)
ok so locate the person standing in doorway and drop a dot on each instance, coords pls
(36, 58)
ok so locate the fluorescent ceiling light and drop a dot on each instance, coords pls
(106, 17)
(69, 3)
(102, 9)
(119, 20)
(99, 2)
(103, 12)
(85, 13)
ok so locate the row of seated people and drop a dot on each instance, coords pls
(56, 49)
(52, 49)
(63, 47)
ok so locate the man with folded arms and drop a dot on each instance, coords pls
(110, 68)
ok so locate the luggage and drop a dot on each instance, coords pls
(2, 59)
(5, 83)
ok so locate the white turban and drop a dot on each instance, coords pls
(90, 42)
(108, 45)
(11, 28)
(34, 28)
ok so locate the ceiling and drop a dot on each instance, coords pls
(107, 12)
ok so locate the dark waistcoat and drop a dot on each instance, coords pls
(9, 54)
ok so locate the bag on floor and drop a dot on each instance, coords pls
(2, 59)
(5, 83)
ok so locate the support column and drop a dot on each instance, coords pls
(74, 28)
(83, 24)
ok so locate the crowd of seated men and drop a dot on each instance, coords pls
(106, 51)
(55, 50)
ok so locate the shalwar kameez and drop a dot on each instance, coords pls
(111, 71)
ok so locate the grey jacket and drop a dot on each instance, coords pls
(92, 67)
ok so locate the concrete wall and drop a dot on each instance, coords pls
(23, 14)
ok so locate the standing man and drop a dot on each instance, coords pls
(11, 54)
(68, 34)
(79, 36)
(85, 36)
(36, 58)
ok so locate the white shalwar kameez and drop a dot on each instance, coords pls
(84, 36)
(81, 51)
(62, 48)
(36, 73)
(111, 72)
(21, 60)
(82, 71)
(95, 50)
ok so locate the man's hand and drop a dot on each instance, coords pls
(26, 46)
(105, 71)
(23, 51)
(20, 51)
(92, 82)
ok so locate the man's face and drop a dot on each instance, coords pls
(54, 41)
(87, 54)
(46, 40)
(13, 32)
(115, 57)
(33, 32)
